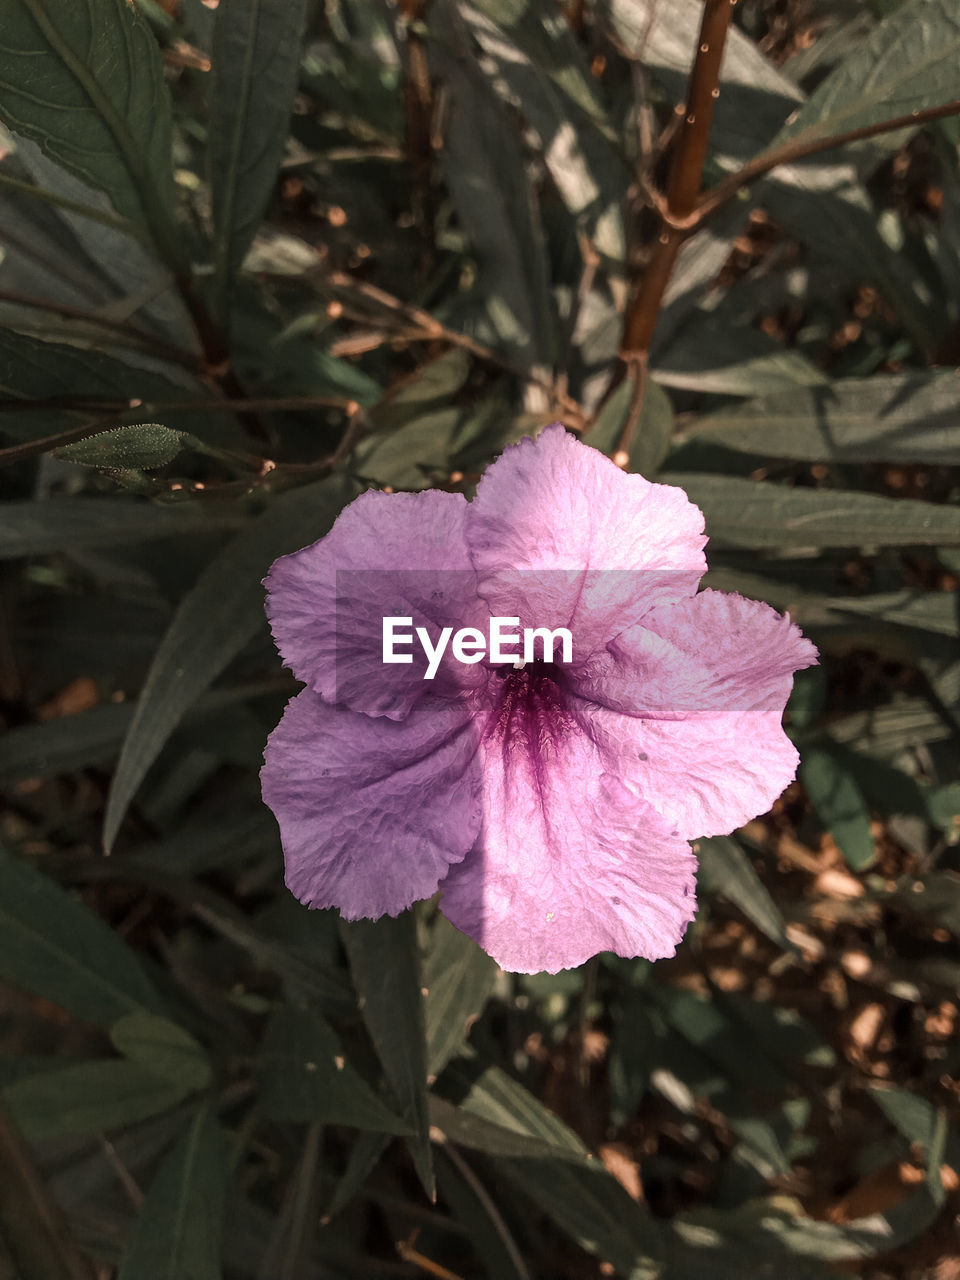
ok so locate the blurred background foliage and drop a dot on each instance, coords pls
(259, 255)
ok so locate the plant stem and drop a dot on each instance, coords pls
(683, 192)
(685, 179)
(799, 148)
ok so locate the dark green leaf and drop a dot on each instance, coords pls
(726, 869)
(477, 1211)
(91, 1097)
(36, 528)
(256, 53)
(202, 640)
(53, 946)
(834, 794)
(86, 83)
(910, 417)
(744, 513)
(459, 977)
(385, 963)
(305, 1077)
(906, 64)
(163, 1048)
(177, 1235)
(488, 179)
(916, 1119)
(540, 65)
(651, 437)
(500, 1100)
(145, 446)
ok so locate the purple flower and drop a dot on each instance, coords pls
(552, 802)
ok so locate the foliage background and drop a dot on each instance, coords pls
(257, 256)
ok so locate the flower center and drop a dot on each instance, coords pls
(530, 711)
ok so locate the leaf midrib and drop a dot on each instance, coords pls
(146, 190)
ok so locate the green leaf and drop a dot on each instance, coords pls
(497, 1098)
(405, 457)
(909, 417)
(92, 737)
(485, 170)
(651, 437)
(163, 1048)
(888, 730)
(475, 1209)
(834, 793)
(364, 1156)
(177, 1235)
(755, 97)
(145, 446)
(726, 869)
(748, 513)
(305, 1077)
(33, 368)
(91, 1097)
(542, 68)
(53, 946)
(907, 63)
(713, 352)
(434, 383)
(916, 1119)
(85, 82)
(550, 1165)
(385, 964)
(202, 640)
(29, 528)
(256, 54)
(459, 977)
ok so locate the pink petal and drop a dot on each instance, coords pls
(372, 811)
(563, 537)
(569, 862)
(403, 554)
(688, 709)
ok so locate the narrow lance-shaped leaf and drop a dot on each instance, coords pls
(910, 417)
(385, 964)
(744, 513)
(53, 946)
(305, 1077)
(215, 620)
(484, 166)
(907, 63)
(35, 528)
(459, 977)
(256, 53)
(89, 1097)
(177, 1235)
(85, 81)
(726, 869)
(834, 793)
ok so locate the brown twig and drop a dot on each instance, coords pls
(683, 192)
(418, 103)
(685, 177)
(30, 448)
(799, 149)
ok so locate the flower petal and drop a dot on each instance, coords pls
(403, 554)
(569, 862)
(688, 709)
(372, 811)
(563, 537)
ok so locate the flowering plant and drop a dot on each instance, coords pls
(553, 803)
